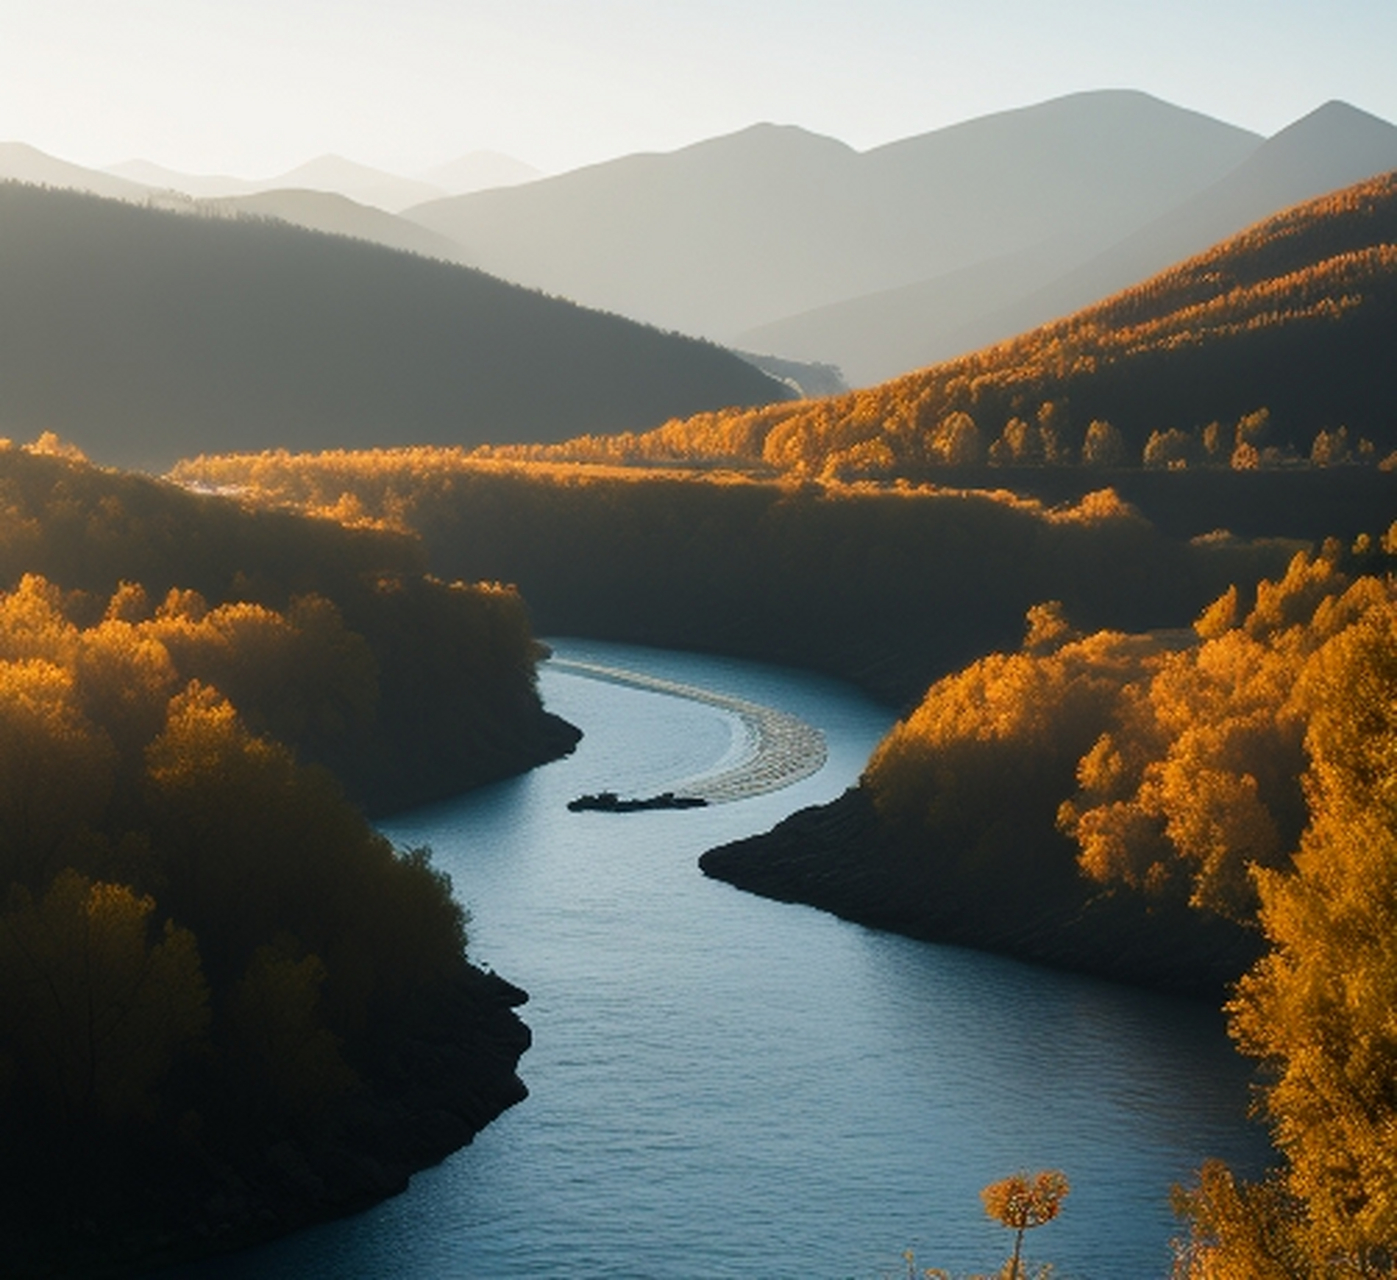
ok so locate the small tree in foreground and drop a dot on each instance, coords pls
(1023, 1201)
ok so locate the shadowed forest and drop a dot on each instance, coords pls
(152, 335)
(223, 996)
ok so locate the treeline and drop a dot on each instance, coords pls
(226, 1003)
(1268, 350)
(887, 587)
(1130, 805)
(145, 335)
(407, 687)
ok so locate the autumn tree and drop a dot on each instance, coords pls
(1318, 1007)
(1022, 1202)
(1103, 445)
(97, 1003)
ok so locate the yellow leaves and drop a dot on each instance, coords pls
(97, 1009)
(204, 738)
(1219, 617)
(56, 767)
(1023, 1200)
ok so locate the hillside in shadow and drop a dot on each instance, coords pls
(143, 336)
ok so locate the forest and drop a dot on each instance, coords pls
(148, 335)
(1160, 789)
(886, 587)
(1010, 545)
(1268, 350)
(227, 1004)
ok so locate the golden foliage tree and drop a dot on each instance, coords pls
(1022, 1202)
(97, 1009)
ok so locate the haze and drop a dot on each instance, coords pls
(257, 88)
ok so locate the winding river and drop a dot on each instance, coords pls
(723, 1086)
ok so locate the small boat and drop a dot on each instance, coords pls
(610, 802)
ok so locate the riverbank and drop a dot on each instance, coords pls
(840, 858)
(451, 1074)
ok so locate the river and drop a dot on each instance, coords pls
(723, 1086)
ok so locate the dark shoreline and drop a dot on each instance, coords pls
(840, 858)
(173, 1204)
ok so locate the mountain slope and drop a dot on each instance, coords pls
(144, 336)
(338, 215)
(359, 182)
(1334, 146)
(1298, 315)
(20, 162)
(738, 231)
(878, 336)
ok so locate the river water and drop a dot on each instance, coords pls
(723, 1086)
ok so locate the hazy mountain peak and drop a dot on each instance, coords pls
(20, 162)
(1335, 123)
(480, 171)
(359, 182)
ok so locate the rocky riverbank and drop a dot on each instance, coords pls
(841, 858)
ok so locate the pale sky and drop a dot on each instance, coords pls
(253, 87)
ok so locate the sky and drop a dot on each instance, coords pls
(255, 87)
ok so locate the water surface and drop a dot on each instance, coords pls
(729, 1087)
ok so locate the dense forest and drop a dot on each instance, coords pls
(1129, 805)
(227, 1005)
(887, 587)
(145, 335)
(1268, 350)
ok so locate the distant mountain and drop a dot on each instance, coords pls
(756, 226)
(338, 215)
(333, 174)
(479, 171)
(357, 181)
(143, 336)
(878, 336)
(197, 185)
(20, 162)
(1332, 147)
(1297, 315)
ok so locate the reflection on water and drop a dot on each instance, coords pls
(725, 1086)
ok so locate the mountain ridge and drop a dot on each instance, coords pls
(740, 230)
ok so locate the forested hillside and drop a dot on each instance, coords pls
(1271, 348)
(1130, 807)
(144, 336)
(886, 587)
(226, 1003)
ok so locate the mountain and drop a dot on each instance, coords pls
(1332, 147)
(198, 185)
(143, 336)
(20, 162)
(878, 336)
(357, 181)
(329, 173)
(1296, 315)
(742, 230)
(479, 171)
(338, 215)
